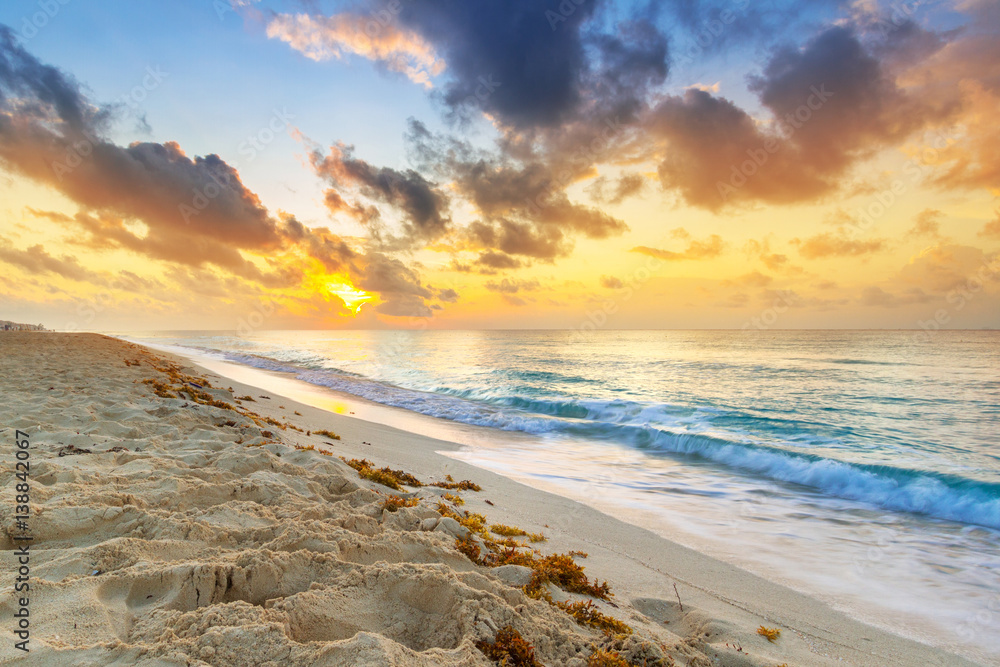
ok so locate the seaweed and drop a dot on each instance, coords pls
(393, 503)
(586, 613)
(394, 479)
(506, 531)
(457, 500)
(509, 648)
(561, 570)
(326, 433)
(770, 634)
(602, 658)
(464, 485)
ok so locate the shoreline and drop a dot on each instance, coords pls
(723, 605)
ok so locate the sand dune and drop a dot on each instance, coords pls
(178, 532)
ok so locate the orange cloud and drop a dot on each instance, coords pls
(707, 249)
(322, 38)
(991, 228)
(837, 245)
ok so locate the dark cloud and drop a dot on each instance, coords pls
(708, 140)
(447, 295)
(539, 70)
(497, 260)
(399, 286)
(424, 206)
(632, 61)
(833, 104)
(867, 109)
(40, 89)
(523, 207)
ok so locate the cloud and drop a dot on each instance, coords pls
(707, 249)
(36, 260)
(991, 228)
(943, 267)
(323, 38)
(497, 260)
(399, 286)
(926, 224)
(867, 109)
(611, 282)
(512, 286)
(959, 72)
(523, 209)
(762, 250)
(752, 279)
(832, 104)
(627, 185)
(546, 74)
(837, 245)
(514, 300)
(707, 140)
(448, 295)
(423, 205)
(876, 296)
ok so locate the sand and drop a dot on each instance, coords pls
(210, 536)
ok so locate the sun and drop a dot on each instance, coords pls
(352, 297)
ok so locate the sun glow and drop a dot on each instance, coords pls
(352, 297)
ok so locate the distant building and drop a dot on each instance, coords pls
(17, 326)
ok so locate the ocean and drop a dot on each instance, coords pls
(860, 467)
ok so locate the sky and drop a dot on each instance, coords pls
(450, 164)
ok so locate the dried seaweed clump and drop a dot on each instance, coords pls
(312, 448)
(632, 650)
(585, 613)
(394, 479)
(393, 503)
(562, 570)
(507, 531)
(770, 634)
(327, 434)
(454, 499)
(509, 649)
(602, 658)
(161, 389)
(464, 485)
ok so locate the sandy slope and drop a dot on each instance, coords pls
(212, 540)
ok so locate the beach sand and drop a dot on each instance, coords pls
(211, 539)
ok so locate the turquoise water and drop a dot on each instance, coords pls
(874, 454)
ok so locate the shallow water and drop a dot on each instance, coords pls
(861, 467)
